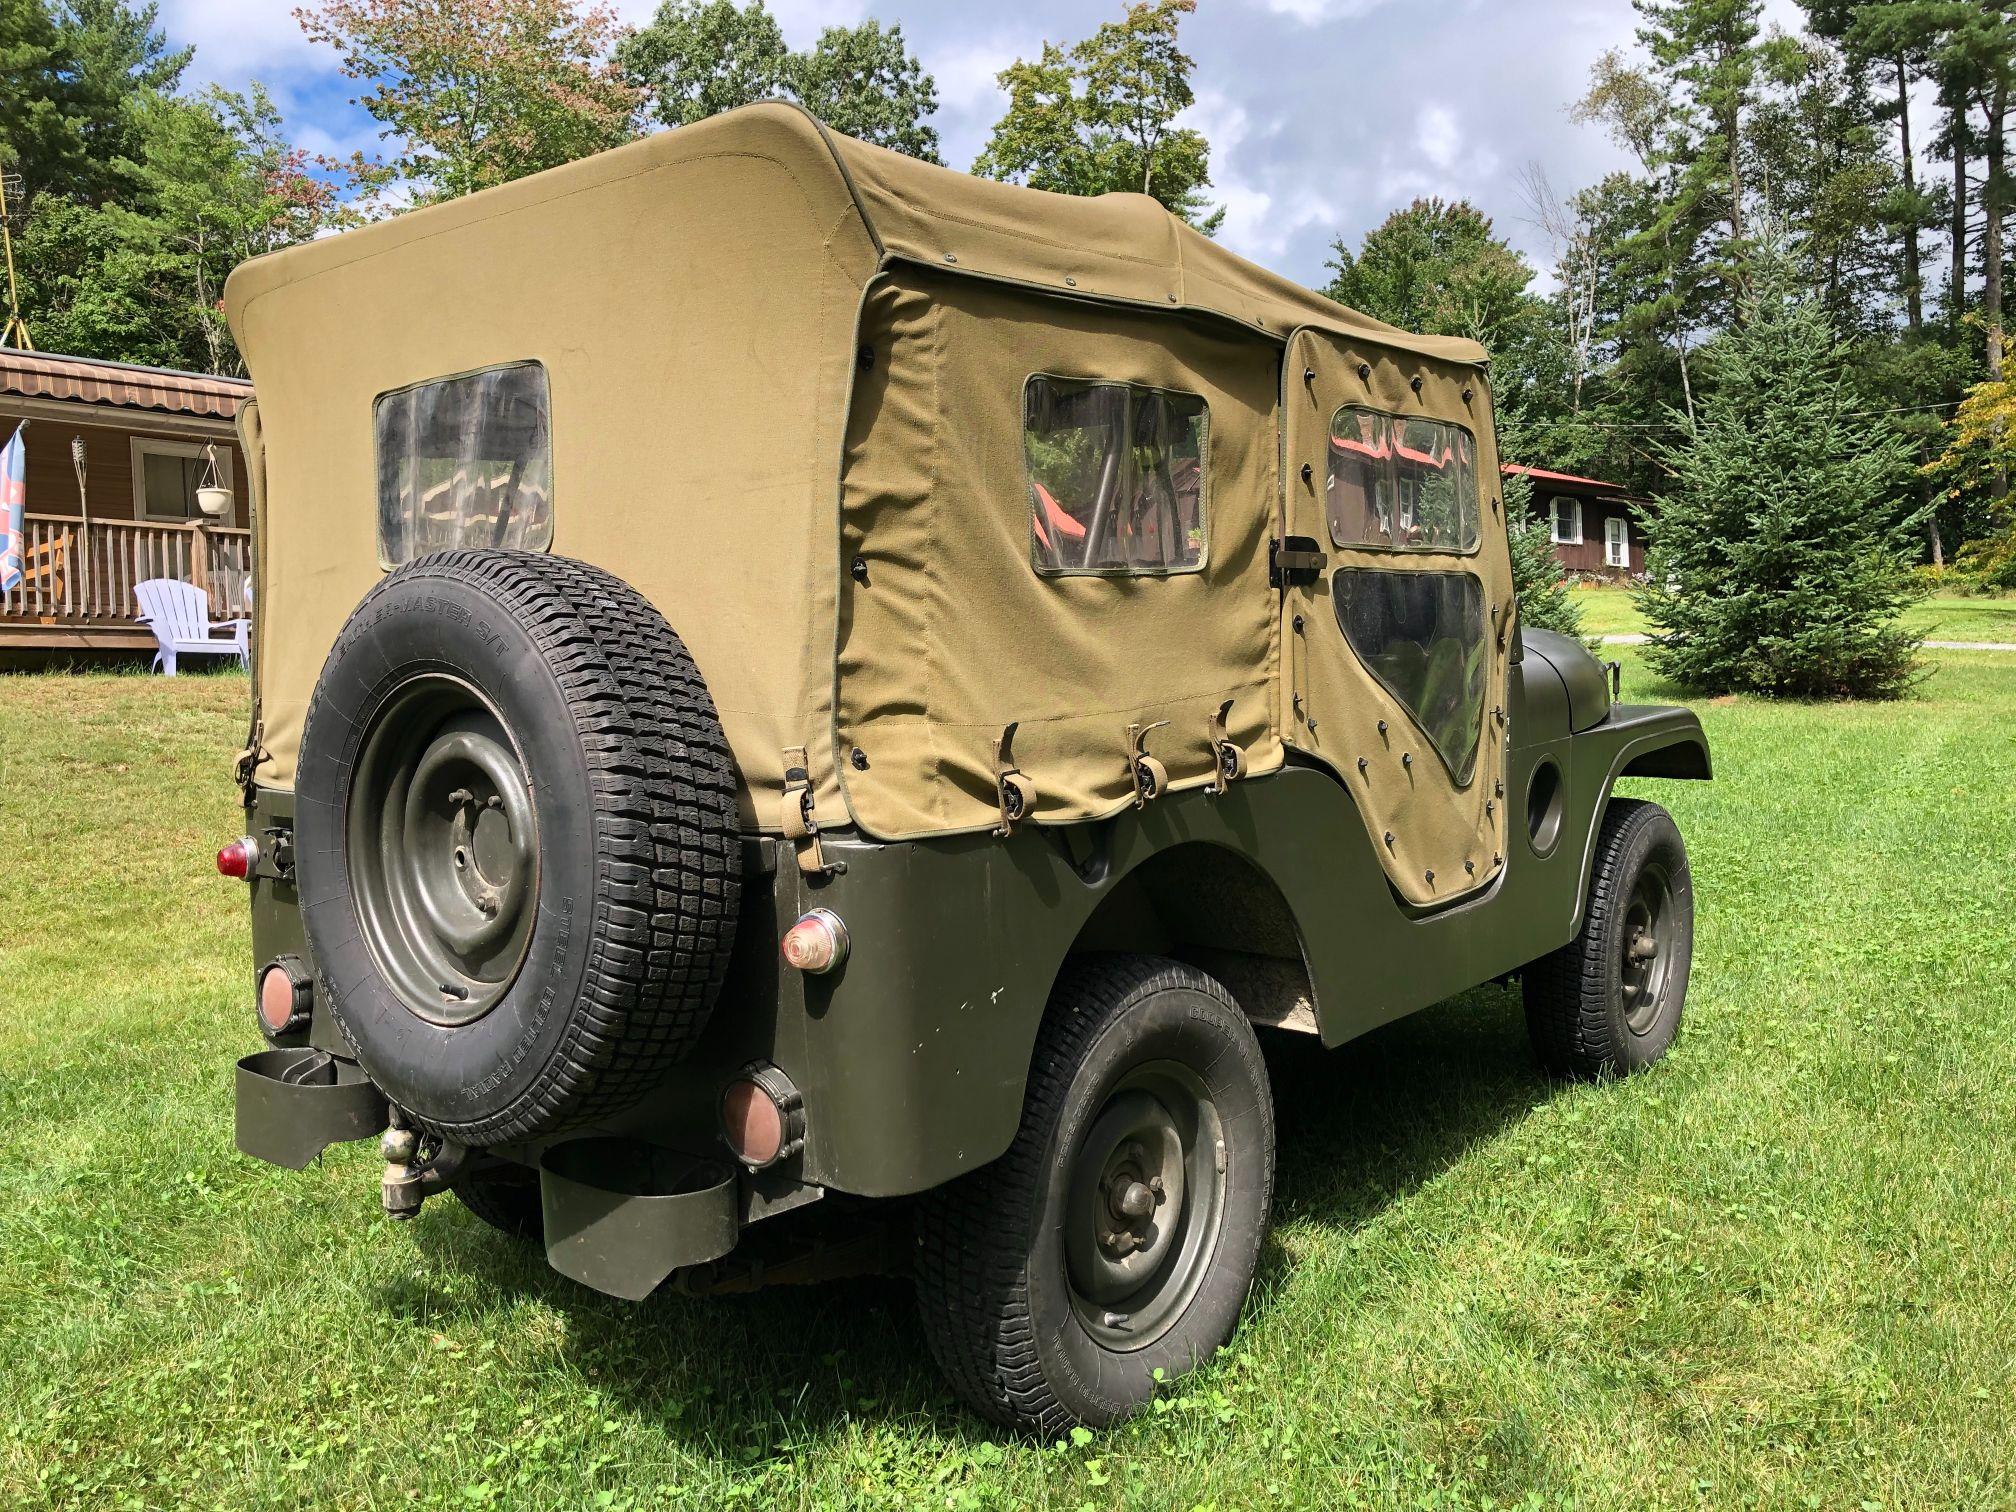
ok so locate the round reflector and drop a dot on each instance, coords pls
(286, 996)
(762, 1116)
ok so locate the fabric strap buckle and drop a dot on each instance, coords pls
(799, 827)
(1228, 760)
(1017, 792)
(1151, 778)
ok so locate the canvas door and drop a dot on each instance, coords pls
(1397, 675)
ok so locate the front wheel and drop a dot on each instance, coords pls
(1609, 1001)
(1119, 1235)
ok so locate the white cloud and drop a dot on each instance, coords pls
(1438, 136)
(239, 38)
(1316, 12)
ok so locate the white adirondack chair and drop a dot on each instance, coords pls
(179, 615)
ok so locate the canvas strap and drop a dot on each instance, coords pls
(1228, 761)
(796, 820)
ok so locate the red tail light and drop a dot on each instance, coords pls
(238, 858)
(817, 942)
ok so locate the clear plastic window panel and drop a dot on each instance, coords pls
(1422, 635)
(1116, 477)
(1400, 484)
(465, 461)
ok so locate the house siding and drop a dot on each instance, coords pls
(1587, 557)
(52, 482)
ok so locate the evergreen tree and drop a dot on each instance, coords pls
(1538, 577)
(1772, 567)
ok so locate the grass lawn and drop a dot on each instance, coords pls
(1780, 1270)
(1608, 611)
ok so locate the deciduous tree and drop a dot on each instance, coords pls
(698, 58)
(474, 93)
(1099, 116)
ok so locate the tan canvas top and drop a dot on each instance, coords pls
(1114, 246)
(773, 351)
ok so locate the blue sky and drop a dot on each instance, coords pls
(1323, 115)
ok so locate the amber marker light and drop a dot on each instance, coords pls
(816, 943)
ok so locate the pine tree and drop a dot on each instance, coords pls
(1538, 577)
(1775, 565)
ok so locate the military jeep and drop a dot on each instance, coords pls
(788, 678)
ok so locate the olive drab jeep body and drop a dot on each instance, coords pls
(788, 676)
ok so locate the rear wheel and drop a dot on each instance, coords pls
(1609, 1002)
(1119, 1235)
(505, 1196)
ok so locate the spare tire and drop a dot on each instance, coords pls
(516, 843)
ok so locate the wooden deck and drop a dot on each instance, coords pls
(77, 594)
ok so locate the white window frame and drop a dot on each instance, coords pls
(142, 447)
(1554, 533)
(1616, 542)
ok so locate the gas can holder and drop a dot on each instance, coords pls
(621, 1215)
(292, 1104)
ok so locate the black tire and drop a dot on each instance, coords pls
(1603, 1004)
(615, 799)
(505, 1196)
(1003, 1308)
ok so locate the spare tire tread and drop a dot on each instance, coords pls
(666, 831)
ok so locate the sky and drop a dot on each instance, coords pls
(1323, 115)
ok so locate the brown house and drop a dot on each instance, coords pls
(148, 438)
(1595, 526)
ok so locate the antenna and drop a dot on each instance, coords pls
(13, 193)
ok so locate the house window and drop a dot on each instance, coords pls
(1565, 521)
(465, 461)
(1616, 542)
(1116, 477)
(1401, 484)
(166, 475)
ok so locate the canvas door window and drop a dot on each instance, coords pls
(1398, 672)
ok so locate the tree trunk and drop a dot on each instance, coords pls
(1991, 253)
(1914, 308)
(1991, 234)
(1956, 296)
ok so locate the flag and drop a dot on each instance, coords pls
(13, 503)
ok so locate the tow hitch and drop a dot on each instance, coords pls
(416, 1166)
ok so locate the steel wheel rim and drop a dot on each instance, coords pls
(1647, 952)
(443, 849)
(1145, 1205)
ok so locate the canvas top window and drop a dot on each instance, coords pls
(1117, 477)
(1401, 484)
(465, 461)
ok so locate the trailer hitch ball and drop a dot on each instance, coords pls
(415, 1169)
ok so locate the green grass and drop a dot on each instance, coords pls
(1780, 1270)
(1609, 611)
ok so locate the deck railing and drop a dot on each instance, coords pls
(83, 572)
